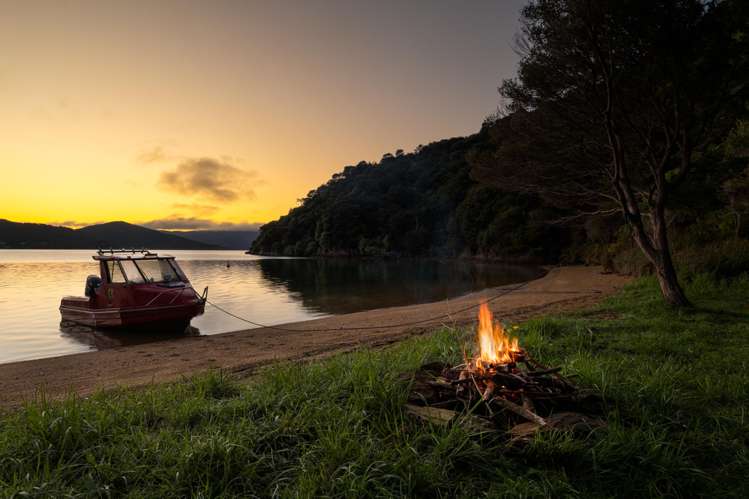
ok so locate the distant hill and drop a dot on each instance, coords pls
(24, 235)
(15, 235)
(228, 239)
(123, 234)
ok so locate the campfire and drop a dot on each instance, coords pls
(499, 387)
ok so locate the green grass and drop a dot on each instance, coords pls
(675, 385)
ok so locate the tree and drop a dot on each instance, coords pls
(613, 101)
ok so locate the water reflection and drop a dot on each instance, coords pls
(339, 286)
(100, 339)
(265, 290)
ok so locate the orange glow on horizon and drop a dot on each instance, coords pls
(118, 111)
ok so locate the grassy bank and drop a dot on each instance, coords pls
(676, 388)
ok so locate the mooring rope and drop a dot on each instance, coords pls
(497, 296)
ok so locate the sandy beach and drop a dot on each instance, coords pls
(241, 352)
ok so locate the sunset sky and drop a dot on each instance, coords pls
(202, 114)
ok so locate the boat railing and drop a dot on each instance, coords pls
(124, 251)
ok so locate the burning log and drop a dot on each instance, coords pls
(501, 387)
(519, 410)
(488, 391)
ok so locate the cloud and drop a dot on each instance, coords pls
(194, 223)
(209, 178)
(172, 222)
(75, 224)
(155, 154)
(70, 224)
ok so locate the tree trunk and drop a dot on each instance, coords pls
(658, 252)
(664, 268)
(665, 273)
(669, 283)
(656, 248)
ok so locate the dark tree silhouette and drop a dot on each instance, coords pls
(613, 102)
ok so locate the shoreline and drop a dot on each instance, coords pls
(243, 351)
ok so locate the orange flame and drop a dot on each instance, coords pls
(495, 345)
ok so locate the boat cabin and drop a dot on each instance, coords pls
(145, 267)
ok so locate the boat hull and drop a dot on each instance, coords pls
(130, 317)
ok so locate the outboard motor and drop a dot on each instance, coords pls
(92, 284)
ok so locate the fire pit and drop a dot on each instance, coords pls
(500, 388)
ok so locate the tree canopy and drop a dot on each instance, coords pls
(613, 103)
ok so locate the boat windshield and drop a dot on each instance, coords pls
(131, 271)
(115, 272)
(158, 270)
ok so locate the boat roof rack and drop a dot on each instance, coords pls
(113, 253)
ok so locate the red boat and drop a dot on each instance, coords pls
(137, 289)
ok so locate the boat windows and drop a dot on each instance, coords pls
(179, 271)
(158, 270)
(131, 271)
(115, 272)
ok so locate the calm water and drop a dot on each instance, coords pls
(266, 290)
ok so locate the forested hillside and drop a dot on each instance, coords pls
(423, 203)
(434, 202)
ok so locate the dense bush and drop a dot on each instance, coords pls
(723, 259)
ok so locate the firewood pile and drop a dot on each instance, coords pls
(501, 389)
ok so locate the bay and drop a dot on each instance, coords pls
(264, 290)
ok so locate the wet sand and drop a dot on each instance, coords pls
(241, 352)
